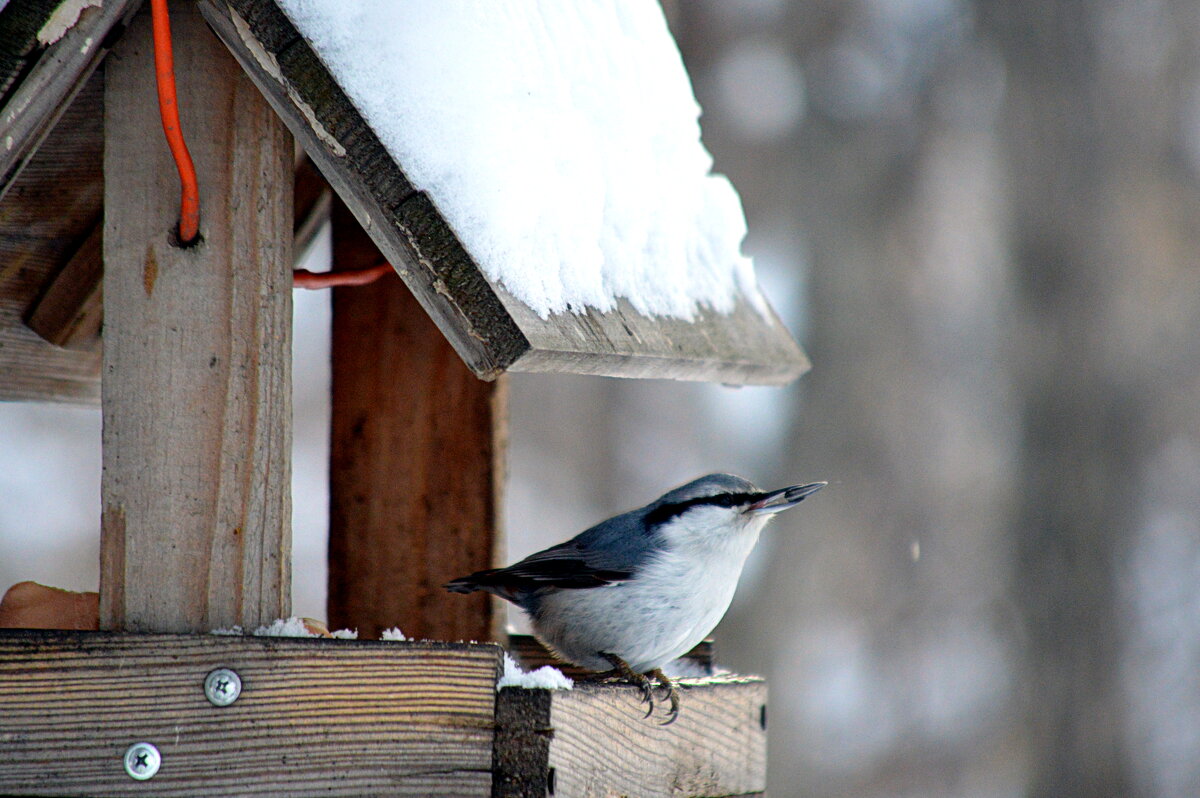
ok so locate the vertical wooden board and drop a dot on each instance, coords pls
(315, 717)
(595, 741)
(415, 462)
(197, 373)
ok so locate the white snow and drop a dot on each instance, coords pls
(560, 140)
(544, 678)
(394, 634)
(62, 20)
(288, 627)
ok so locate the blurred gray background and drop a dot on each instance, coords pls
(982, 220)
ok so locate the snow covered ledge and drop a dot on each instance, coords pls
(536, 177)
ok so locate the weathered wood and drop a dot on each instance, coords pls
(71, 308)
(315, 716)
(416, 448)
(48, 214)
(40, 80)
(19, 49)
(196, 487)
(491, 330)
(594, 740)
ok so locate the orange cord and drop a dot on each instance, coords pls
(303, 278)
(164, 72)
(189, 201)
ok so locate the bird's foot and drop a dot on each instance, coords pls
(672, 695)
(622, 672)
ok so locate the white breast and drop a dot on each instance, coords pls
(674, 602)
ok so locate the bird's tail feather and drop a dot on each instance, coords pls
(471, 582)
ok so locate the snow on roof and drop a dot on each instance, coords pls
(559, 140)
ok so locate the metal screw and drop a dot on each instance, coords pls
(222, 687)
(142, 761)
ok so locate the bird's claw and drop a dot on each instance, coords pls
(621, 671)
(672, 696)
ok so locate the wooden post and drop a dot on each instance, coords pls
(197, 374)
(416, 462)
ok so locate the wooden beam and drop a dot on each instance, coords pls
(52, 207)
(314, 717)
(490, 329)
(416, 450)
(594, 740)
(196, 529)
(71, 308)
(41, 80)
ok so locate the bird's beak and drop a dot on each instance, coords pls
(779, 500)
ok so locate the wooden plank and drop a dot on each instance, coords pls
(416, 460)
(71, 308)
(41, 80)
(196, 529)
(52, 208)
(594, 740)
(491, 330)
(315, 716)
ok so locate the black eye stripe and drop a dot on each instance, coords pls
(665, 512)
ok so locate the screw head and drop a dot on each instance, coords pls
(142, 761)
(222, 687)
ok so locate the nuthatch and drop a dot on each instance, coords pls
(641, 589)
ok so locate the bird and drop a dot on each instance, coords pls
(636, 591)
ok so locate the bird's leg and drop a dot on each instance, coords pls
(672, 694)
(621, 668)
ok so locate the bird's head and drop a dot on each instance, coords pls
(721, 505)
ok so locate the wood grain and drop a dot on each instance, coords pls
(594, 741)
(46, 216)
(197, 376)
(40, 81)
(490, 329)
(416, 459)
(315, 717)
(70, 309)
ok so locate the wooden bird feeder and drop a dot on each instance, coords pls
(193, 374)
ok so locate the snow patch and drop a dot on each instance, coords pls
(394, 634)
(561, 141)
(291, 627)
(544, 678)
(62, 19)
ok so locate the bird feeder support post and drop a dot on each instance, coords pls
(416, 462)
(197, 344)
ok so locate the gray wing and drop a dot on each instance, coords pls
(607, 553)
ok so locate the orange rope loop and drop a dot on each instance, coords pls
(164, 73)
